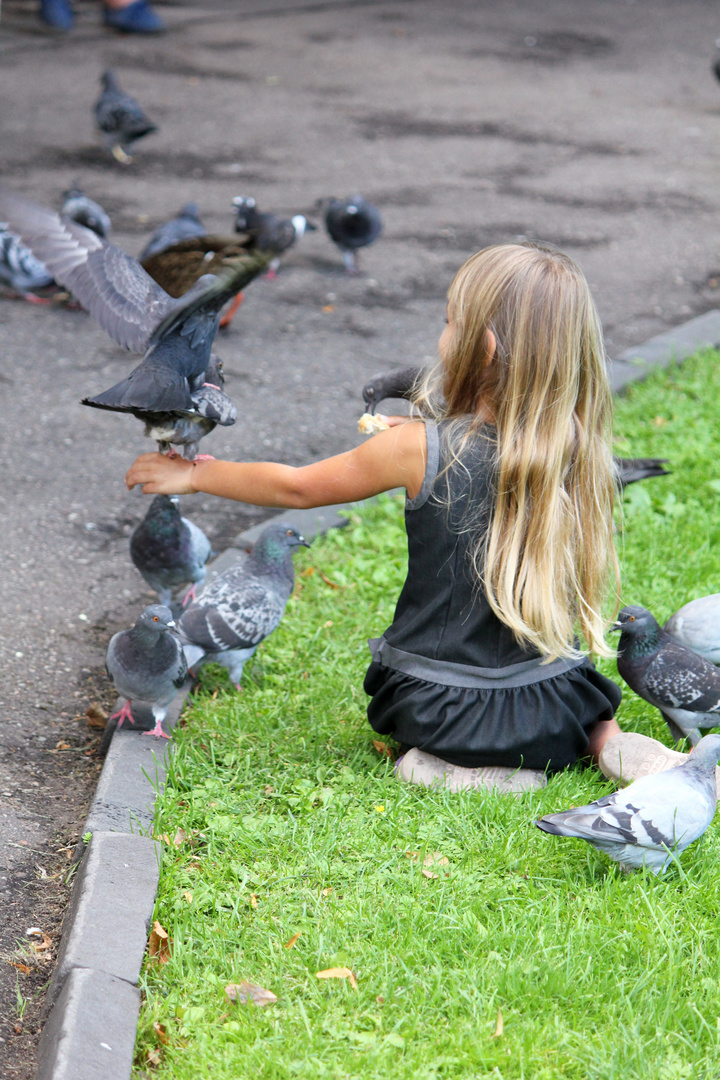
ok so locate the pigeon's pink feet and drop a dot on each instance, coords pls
(157, 731)
(123, 714)
(33, 299)
(189, 596)
(203, 457)
(271, 274)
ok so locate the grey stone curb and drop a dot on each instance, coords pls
(93, 997)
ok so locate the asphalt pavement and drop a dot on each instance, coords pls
(593, 126)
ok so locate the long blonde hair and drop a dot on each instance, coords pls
(545, 561)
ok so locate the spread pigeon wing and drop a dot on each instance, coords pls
(236, 618)
(681, 679)
(111, 285)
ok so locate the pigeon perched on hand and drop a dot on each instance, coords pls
(697, 625)
(147, 665)
(268, 232)
(168, 550)
(242, 606)
(184, 226)
(352, 224)
(175, 335)
(681, 684)
(120, 119)
(644, 824)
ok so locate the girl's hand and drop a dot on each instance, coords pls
(395, 421)
(161, 475)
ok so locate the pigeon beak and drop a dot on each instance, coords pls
(615, 626)
(370, 406)
(172, 623)
(309, 226)
(303, 541)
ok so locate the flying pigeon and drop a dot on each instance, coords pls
(697, 625)
(176, 335)
(657, 816)
(184, 226)
(147, 665)
(242, 606)
(268, 232)
(352, 223)
(168, 550)
(120, 119)
(681, 684)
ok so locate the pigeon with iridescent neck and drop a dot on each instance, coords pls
(169, 550)
(268, 232)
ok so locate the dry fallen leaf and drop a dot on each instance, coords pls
(159, 944)
(499, 1026)
(332, 584)
(268, 789)
(383, 748)
(428, 873)
(308, 571)
(326, 892)
(62, 745)
(328, 624)
(152, 1058)
(22, 968)
(18, 1028)
(96, 716)
(253, 900)
(188, 896)
(179, 838)
(161, 1033)
(245, 992)
(328, 308)
(380, 999)
(337, 973)
(289, 944)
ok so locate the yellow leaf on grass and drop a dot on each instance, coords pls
(289, 944)
(152, 1058)
(245, 992)
(326, 892)
(337, 973)
(188, 896)
(383, 748)
(253, 900)
(159, 944)
(499, 1026)
(161, 1033)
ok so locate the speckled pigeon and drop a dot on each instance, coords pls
(168, 550)
(185, 225)
(352, 223)
(147, 665)
(681, 684)
(268, 232)
(119, 118)
(243, 605)
(176, 335)
(697, 625)
(653, 818)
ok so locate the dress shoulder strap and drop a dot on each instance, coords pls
(432, 437)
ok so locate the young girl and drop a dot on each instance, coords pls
(510, 490)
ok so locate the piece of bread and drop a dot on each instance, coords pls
(368, 424)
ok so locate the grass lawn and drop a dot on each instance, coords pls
(292, 849)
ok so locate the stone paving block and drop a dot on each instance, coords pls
(106, 926)
(659, 351)
(90, 1033)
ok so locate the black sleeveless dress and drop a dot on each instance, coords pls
(448, 677)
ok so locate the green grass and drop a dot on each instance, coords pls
(283, 797)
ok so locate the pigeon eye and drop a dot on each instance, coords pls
(155, 618)
(631, 618)
(289, 532)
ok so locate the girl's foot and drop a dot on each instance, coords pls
(58, 14)
(417, 767)
(628, 756)
(134, 18)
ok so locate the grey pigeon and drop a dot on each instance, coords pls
(168, 550)
(653, 818)
(175, 335)
(681, 684)
(210, 406)
(243, 605)
(352, 224)
(184, 226)
(268, 232)
(119, 118)
(697, 625)
(398, 383)
(630, 470)
(147, 665)
(85, 211)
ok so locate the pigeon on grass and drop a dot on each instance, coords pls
(168, 550)
(120, 119)
(352, 224)
(147, 665)
(653, 819)
(697, 626)
(176, 336)
(683, 685)
(242, 606)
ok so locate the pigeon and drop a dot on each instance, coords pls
(630, 470)
(85, 211)
(654, 818)
(120, 119)
(681, 684)
(175, 335)
(147, 665)
(352, 223)
(268, 232)
(398, 383)
(168, 550)
(243, 605)
(697, 626)
(184, 226)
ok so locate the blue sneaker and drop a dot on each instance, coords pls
(58, 14)
(136, 18)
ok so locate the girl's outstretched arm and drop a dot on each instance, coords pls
(390, 459)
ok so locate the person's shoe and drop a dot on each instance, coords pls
(136, 18)
(628, 756)
(417, 767)
(58, 14)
